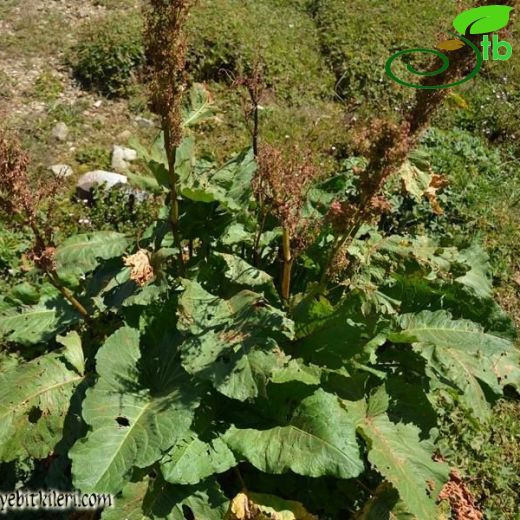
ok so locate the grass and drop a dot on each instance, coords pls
(489, 457)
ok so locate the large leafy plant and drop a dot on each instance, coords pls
(263, 350)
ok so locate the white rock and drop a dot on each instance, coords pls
(98, 103)
(99, 177)
(61, 170)
(121, 156)
(144, 123)
(60, 132)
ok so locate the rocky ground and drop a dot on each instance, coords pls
(63, 127)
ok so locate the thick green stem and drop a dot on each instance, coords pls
(171, 152)
(68, 295)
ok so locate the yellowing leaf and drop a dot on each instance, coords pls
(450, 45)
(458, 100)
(419, 183)
(257, 506)
(437, 182)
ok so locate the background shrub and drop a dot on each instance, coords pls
(108, 53)
(230, 34)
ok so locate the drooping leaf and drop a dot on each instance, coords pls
(415, 180)
(396, 452)
(232, 343)
(31, 325)
(229, 185)
(132, 424)
(81, 253)
(128, 504)
(199, 106)
(169, 502)
(259, 506)
(385, 505)
(318, 440)
(484, 19)
(241, 272)
(192, 460)
(463, 353)
(34, 400)
(477, 277)
(73, 351)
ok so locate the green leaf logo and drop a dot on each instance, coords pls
(483, 19)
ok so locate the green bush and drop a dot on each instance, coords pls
(108, 54)
(285, 39)
(357, 38)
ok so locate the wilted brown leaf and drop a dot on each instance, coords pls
(141, 271)
(437, 182)
(462, 502)
(257, 506)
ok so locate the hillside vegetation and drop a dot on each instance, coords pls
(142, 303)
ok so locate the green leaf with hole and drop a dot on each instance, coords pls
(482, 20)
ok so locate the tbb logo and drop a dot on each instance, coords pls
(480, 20)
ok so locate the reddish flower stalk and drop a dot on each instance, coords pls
(165, 42)
(281, 183)
(387, 145)
(20, 202)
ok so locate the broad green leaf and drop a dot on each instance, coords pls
(319, 440)
(132, 424)
(185, 159)
(25, 293)
(128, 504)
(199, 106)
(260, 506)
(297, 370)
(477, 277)
(73, 352)
(463, 353)
(32, 325)
(335, 337)
(229, 185)
(232, 343)
(81, 253)
(34, 401)
(237, 233)
(168, 502)
(404, 256)
(241, 272)
(397, 453)
(385, 505)
(145, 183)
(484, 19)
(192, 460)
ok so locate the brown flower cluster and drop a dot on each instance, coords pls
(141, 270)
(16, 198)
(21, 201)
(165, 42)
(254, 84)
(282, 183)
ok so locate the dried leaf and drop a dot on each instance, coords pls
(450, 45)
(141, 271)
(437, 182)
(257, 506)
(462, 502)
